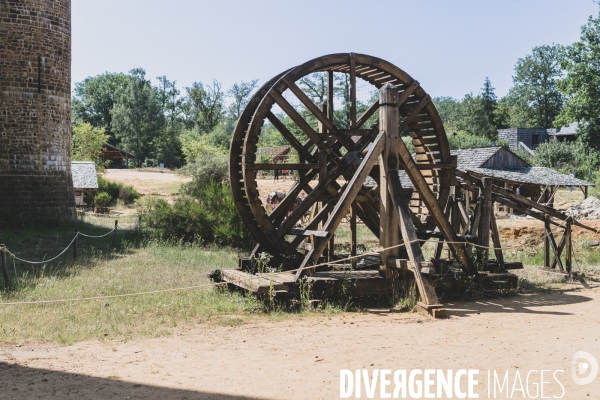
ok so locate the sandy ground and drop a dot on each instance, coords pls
(157, 182)
(302, 358)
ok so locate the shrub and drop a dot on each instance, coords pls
(102, 199)
(206, 170)
(210, 216)
(117, 190)
(551, 154)
(466, 141)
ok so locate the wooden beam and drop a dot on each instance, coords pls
(306, 232)
(367, 114)
(346, 199)
(545, 209)
(389, 229)
(413, 249)
(272, 167)
(486, 215)
(496, 241)
(433, 207)
(550, 236)
(297, 118)
(312, 107)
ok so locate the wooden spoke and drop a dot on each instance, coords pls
(367, 114)
(312, 107)
(352, 91)
(297, 118)
(295, 143)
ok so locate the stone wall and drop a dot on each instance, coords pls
(515, 135)
(35, 109)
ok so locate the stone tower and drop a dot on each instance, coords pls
(35, 109)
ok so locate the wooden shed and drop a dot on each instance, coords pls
(507, 170)
(85, 182)
(110, 152)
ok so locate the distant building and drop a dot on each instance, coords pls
(529, 139)
(85, 182)
(121, 157)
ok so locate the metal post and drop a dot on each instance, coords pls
(75, 246)
(4, 271)
(114, 236)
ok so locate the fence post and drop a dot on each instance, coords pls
(75, 246)
(114, 237)
(4, 272)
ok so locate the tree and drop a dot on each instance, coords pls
(240, 92)
(167, 143)
(535, 88)
(449, 110)
(204, 106)
(87, 144)
(489, 103)
(94, 99)
(581, 84)
(137, 118)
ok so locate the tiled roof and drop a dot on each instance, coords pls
(535, 175)
(84, 175)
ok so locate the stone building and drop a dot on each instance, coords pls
(35, 109)
(524, 138)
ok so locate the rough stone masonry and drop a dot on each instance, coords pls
(35, 109)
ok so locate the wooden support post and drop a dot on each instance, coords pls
(353, 230)
(389, 232)
(486, 215)
(114, 235)
(585, 194)
(430, 303)
(496, 242)
(555, 249)
(569, 248)
(4, 267)
(546, 243)
(440, 244)
(75, 246)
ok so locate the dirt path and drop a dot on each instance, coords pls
(302, 358)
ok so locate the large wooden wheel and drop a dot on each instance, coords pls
(329, 153)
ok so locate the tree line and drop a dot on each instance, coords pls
(553, 86)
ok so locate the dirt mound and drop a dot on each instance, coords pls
(588, 209)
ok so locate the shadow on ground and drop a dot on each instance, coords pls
(20, 382)
(521, 304)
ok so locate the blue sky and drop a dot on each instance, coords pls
(448, 46)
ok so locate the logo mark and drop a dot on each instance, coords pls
(584, 363)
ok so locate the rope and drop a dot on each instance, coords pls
(3, 248)
(39, 262)
(270, 274)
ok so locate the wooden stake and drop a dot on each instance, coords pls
(114, 235)
(75, 246)
(4, 268)
(353, 230)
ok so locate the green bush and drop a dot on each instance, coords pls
(102, 199)
(117, 190)
(466, 141)
(563, 156)
(206, 169)
(210, 216)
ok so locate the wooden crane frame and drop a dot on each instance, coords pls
(333, 165)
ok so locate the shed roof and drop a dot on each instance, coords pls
(533, 175)
(473, 158)
(84, 175)
(112, 152)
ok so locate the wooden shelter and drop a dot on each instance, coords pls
(110, 152)
(85, 182)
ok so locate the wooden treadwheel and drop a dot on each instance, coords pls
(328, 154)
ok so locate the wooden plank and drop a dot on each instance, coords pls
(522, 209)
(272, 167)
(307, 232)
(346, 199)
(407, 265)
(353, 230)
(560, 248)
(411, 244)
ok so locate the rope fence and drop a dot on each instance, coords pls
(4, 250)
(216, 284)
